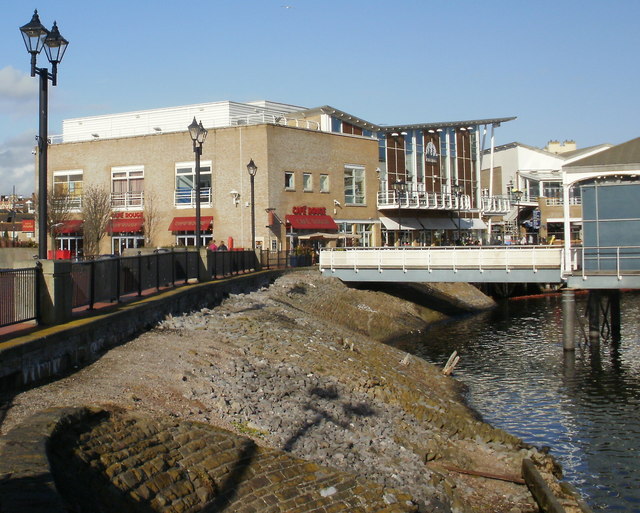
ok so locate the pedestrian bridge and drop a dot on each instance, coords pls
(608, 268)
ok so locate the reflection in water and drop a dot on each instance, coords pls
(585, 406)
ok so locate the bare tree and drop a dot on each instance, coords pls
(59, 209)
(151, 213)
(96, 212)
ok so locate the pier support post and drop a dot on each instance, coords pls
(614, 305)
(593, 312)
(568, 319)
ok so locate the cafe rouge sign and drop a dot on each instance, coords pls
(309, 211)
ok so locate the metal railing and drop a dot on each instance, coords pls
(424, 200)
(452, 258)
(613, 260)
(127, 200)
(18, 295)
(186, 197)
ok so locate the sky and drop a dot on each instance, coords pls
(567, 69)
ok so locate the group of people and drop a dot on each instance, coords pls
(214, 247)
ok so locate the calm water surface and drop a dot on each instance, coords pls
(586, 408)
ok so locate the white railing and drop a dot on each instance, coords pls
(187, 197)
(558, 202)
(495, 205)
(424, 200)
(601, 260)
(262, 118)
(127, 200)
(451, 258)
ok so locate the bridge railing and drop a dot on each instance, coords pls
(616, 260)
(444, 257)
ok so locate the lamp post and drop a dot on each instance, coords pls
(198, 134)
(457, 190)
(517, 196)
(399, 186)
(36, 37)
(252, 169)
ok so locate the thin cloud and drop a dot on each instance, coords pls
(17, 165)
(16, 85)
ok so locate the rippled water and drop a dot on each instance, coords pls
(586, 408)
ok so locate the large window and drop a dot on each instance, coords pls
(185, 192)
(354, 186)
(69, 183)
(127, 187)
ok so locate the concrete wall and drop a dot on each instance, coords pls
(51, 352)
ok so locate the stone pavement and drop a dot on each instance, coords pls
(89, 459)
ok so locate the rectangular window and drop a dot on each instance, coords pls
(127, 187)
(289, 182)
(184, 195)
(354, 186)
(324, 183)
(69, 183)
(307, 182)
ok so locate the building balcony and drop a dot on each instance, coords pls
(184, 197)
(496, 205)
(388, 200)
(127, 200)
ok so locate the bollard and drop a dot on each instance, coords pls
(568, 319)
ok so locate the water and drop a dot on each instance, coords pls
(586, 408)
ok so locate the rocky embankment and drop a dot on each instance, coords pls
(299, 367)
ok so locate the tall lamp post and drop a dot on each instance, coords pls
(399, 186)
(198, 134)
(36, 37)
(252, 169)
(457, 190)
(517, 196)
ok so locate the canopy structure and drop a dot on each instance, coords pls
(188, 224)
(329, 236)
(311, 222)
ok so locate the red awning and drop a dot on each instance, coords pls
(188, 224)
(309, 222)
(126, 225)
(71, 226)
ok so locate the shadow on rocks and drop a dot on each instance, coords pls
(320, 415)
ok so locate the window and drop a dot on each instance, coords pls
(185, 184)
(354, 185)
(289, 183)
(324, 183)
(307, 182)
(127, 187)
(69, 183)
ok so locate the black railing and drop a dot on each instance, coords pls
(230, 263)
(18, 295)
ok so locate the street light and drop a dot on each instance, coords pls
(517, 196)
(198, 134)
(399, 186)
(253, 169)
(36, 37)
(457, 190)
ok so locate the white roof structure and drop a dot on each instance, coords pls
(173, 119)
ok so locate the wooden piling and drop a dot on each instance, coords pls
(568, 319)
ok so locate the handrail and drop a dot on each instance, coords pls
(453, 258)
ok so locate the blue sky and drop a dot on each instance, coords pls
(566, 69)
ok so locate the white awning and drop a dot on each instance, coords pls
(405, 223)
(432, 223)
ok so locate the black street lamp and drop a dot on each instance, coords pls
(35, 38)
(198, 134)
(457, 190)
(517, 196)
(253, 169)
(399, 186)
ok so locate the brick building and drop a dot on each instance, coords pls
(323, 175)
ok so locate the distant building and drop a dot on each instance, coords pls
(536, 174)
